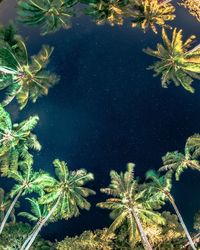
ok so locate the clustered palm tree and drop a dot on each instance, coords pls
(55, 14)
(133, 204)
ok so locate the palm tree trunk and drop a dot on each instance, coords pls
(143, 236)
(29, 237)
(41, 224)
(9, 211)
(171, 199)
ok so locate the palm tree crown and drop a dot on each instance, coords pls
(68, 189)
(128, 196)
(110, 11)
(22, 77)
(15, 141)
(52, 14)
(178, 162)
(176, 63)
(149, 13)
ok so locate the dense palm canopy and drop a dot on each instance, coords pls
(107, 11)
(23, 78)
(178, 162)
(150, 13)
(69, 190)
(128, 196)
(15, 141)
(51, 14)
(176, 62)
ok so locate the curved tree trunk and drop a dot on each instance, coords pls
(41, 224)
(143, 236)
(171, 199)
(9, 211)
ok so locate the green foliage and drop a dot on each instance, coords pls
(69, 189)
(149, 13)
(97, 240)
(127, 195)
(51, 14)
(176, 62)
(15, 141)
(5, 203)
(193, 145)
(38, 212)
(197, 221)
(107, 11)
(14, 235)
(178, 162)
(28, 181)
(23, 78)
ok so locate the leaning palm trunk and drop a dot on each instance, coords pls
(171, 199)
(29, 237)
(41, 224)
(7, 215)
(143, 236)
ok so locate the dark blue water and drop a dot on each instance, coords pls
(108, 110)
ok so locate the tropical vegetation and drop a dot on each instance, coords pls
(193, 7)
(139, 215)
(177, 62)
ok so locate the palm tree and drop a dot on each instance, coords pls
(193, 7)
(23, 78)
(193, 145)
(15, 141)
(178, 162)
(27, 181)
(131, 204)
(177, 63)
(51, 14)
(38, 214)
(66, 196)
(5, 203)
(111, 11)
(162, 185)
(149, 13)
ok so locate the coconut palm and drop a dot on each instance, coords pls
(110, 11)
(193, 7)
(27, 181)
(149, 13)
(8, 35)
(162, 185)
(23, 78)
(15, 141)
(193, 145)
(130, 204)
(178, 162)
(176, 62)
(38, 214)
(5, 203)
(51, 14)
(66, 196)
